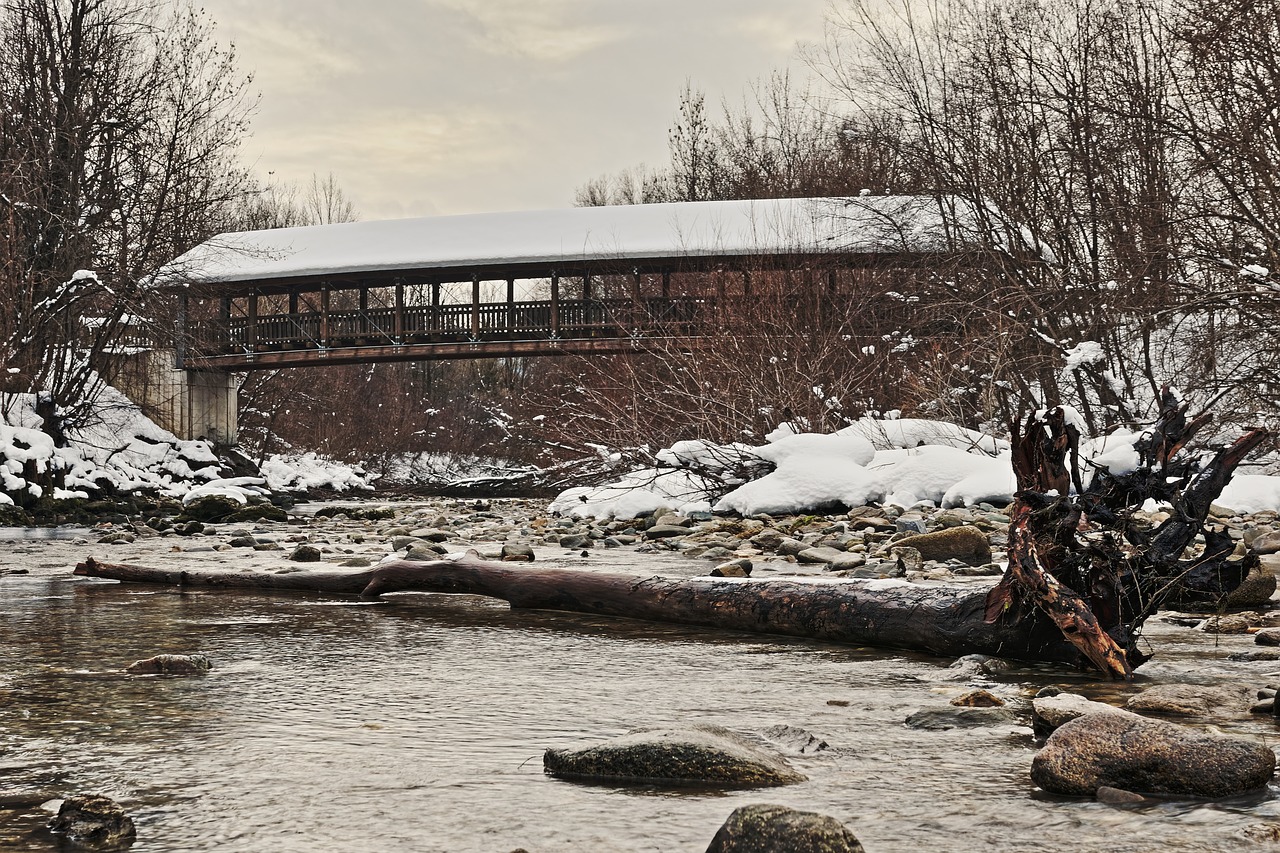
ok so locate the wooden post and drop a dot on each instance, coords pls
(666, 284)
(435, 306)
(293, 302)
(324, 315)
(586, 287)
(475, 307)
(555, 306)
(364, 310)
(511, 308)
(251, 332)
(397, 323)
(746, 282)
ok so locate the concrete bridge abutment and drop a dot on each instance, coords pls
(192, 404)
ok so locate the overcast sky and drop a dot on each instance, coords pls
(423, 107)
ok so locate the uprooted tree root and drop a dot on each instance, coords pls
(1086, 562)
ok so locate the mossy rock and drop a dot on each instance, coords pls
(258, 512)
(695, 756)
(12, 516)
(766, 828)
(356, 513)
(210, 508)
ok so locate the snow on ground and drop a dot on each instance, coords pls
(958, 467)
(635, 494)
(123, 449)
(300, 472)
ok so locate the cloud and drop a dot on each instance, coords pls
(388, 160)
(541, 30)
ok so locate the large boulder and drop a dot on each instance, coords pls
(95, 820)
(1121, 750)
(210, 508)
(698, 755)
(766, 828)
(967, 544)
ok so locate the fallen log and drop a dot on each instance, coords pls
(1084, 572)
(942, 620)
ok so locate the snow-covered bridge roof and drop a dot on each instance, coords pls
(867, 225)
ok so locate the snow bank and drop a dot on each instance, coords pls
(306, 471)
(869, 462)
(121, 449)
(804, 483)
(635, 494)
(913, 432)
(1251, 493)
(812, 471)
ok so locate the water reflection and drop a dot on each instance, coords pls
(420, 725)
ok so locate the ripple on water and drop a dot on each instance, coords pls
(421, 726)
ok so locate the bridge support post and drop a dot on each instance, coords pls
(189, 403)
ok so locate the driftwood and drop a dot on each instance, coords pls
(1084, 572)
(1081, 556)
(896, 614)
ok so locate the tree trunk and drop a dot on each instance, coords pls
(935, 619)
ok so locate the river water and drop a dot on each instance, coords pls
(331, 725)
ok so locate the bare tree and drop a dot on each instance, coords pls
(121, 123)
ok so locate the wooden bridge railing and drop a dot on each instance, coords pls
(530, 320)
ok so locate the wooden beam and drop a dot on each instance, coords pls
(435, 307)
(251, 327)
(324, 316)
(448, 351)
(475, 307)
(511, 308)
(555, 306)
(397, 323)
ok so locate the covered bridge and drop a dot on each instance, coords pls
(579, 280)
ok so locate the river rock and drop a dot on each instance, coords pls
(848, 561)
(795, 740)
(1267, 543)
(1122, 750)
(665, 531)
(978, 699)
(210, 508)
(306, 554)
(733, 569)
(171, 665)
(1050, 712)
(516, 552)
(822, 555)
(1118, 796)
(95, 820)
(950, 717)
(763, 828)
(967, 544)
(697, 755)
(767, 539)
(425, 552)
(1188, 700)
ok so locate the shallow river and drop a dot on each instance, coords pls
(328, 725)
